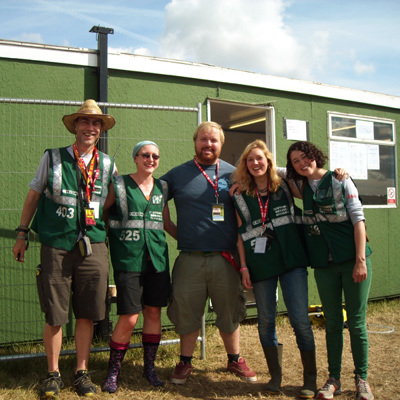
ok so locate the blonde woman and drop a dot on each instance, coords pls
(271, 250)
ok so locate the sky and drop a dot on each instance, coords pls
(349, 43)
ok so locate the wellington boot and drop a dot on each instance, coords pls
(114, 367)
(309, 374)
(149, 371)
(273, 355)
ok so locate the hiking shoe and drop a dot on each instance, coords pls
(51, 385)
(331, 388)
(181, 373)
(241, 369)
(83, 384)
(363, 391)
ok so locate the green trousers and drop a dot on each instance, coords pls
(333, 282)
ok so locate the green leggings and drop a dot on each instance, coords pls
(332, 282)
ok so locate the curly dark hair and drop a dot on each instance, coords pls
(311, 151)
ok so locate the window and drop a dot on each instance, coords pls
(366, 147)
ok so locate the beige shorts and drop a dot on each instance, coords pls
(195, 278)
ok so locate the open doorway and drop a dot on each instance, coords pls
(242, 123)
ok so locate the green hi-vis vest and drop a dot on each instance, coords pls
(328, 227)
(286, 250)
(137, 227)
(56, 219)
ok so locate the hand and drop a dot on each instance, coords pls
(233, 188)
(19, 250)
(246, 281)
(360, 271)
(341, 174)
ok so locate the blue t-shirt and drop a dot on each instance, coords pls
(194, 197)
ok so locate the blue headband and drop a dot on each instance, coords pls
(140, 145)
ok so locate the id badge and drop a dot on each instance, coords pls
(261, 245)
(89, 216)
(96, 207)
(218, 212)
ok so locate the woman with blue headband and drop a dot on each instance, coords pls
(136, 207)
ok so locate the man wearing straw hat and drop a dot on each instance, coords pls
(67, 194)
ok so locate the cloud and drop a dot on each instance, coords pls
(363, 69)
(30, 37)
(249, 35)
(130, 50)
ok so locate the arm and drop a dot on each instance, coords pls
(295, 190)
(246, 281)
(354, 209)
(360, 267)
(169, 226)
(110, 200)
(28, 211)
(233, 188)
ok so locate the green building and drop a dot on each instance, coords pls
(163, 100)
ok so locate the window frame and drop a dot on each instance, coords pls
(392, 143)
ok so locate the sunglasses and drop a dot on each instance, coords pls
(147, 156)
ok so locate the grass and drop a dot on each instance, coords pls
(19, 379)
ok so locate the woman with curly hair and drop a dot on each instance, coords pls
(336, 241)
(271, 249)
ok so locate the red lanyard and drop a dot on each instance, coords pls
(88, 175)
(263, 209)
(214, 185)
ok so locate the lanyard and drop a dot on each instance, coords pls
(263, 209)
(88, 175)
(214, 185)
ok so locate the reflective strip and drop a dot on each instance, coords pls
(57, 196)
(106, 173)
(136, 224)
(341, 215)
(325, 218)
(164, 186)
(126, 223)
(244, 209)
(276, 222)
(123, 202)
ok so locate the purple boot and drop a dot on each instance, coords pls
(149, 356)
(114, 367)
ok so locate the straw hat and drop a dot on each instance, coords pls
(89, 109)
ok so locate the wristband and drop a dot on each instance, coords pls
(243, 268)
(22, 237)
(22, 228)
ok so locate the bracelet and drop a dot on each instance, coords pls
(26, 238)
(22, 228)
(243, 268)
(22, 237)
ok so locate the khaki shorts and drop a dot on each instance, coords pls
(64, 271)
(197, 276)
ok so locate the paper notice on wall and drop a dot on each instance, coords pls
(353, 157)
(340, 156)
(296, 129)
(373, 157)
(364, 130)
(391, 195)
(359, 161)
